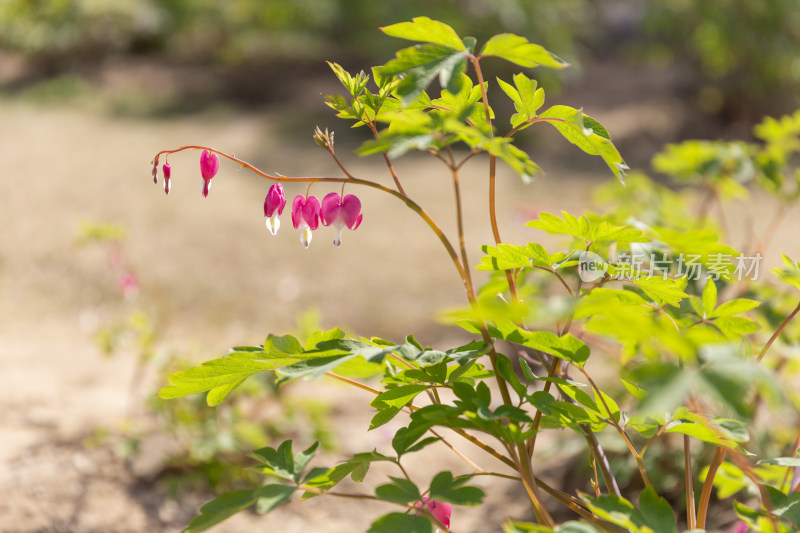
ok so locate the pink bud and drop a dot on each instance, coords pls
(275, 200)
(440, 510)
(167, 174)
(209, 165)
(273, 207)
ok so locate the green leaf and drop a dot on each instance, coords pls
(616, 510)
(278, 462)
(397, 397)
(519, 51)
(421, 64)
(425, 30)
(220, 508)
(526, 97)
(218, 394)
(566, 346)
(401, 523)
(356, 467)
(314, 367)
(782, 461)
(269, 497)
(321, 336)
(282, 345)
(734, 307)
(587, 136)
(662, 290)
(518, 160)
(657, 512)
(383, 416)
(445, 488)
(399, 491)
(709, 297)
(513, 526)
(302, 459)
(226, 374)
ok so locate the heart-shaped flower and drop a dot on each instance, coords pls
(341, 212)
(305, 216)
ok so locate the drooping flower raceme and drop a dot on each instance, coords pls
(305, 216)
(273, 207)
(209, 165)
(340, 213)
(167, 175)
(440, 510)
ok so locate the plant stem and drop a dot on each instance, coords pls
(775, 335)
(705, 495)
(601, 459)
(512, 286)
(691, 518)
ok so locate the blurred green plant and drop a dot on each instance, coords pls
(204, 453)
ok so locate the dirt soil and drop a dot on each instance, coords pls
(212, 277)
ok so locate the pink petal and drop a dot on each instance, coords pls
(351, 211)
(311, 212)
(440, 510)
(206, 187)
(297, 210)
(209, 165)
(275, 200)
(331, 207)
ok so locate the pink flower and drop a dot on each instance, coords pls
(273, 207)
(305, 216)
(209, 165)
(341, 213)
(440, 510)
(740, 527)
(167, 174)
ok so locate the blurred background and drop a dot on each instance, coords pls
(106, 284)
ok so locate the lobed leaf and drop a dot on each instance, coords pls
(519, 51)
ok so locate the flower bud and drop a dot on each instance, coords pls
(167, 174)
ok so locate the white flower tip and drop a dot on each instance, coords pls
(337, 238)
(273, 224)
(305, 237)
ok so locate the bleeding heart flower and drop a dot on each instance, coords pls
(209, 165)
(440, 510)
(273, 207)
(167, 174)
(341, 212)
(305, 216)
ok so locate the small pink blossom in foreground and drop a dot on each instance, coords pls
(209, 165)
(273, 207)
(440, 510)
(305, 216)
(341, 212)
(128, 285)
(167, 174)
(740, 527)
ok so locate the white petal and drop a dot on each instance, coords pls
(273, 223)
(305, 237)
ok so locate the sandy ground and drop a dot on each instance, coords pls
(212, 277)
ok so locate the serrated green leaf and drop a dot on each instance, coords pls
(426, 30)
(526, 97)
(383, 416)
(519, 51)
(278, 462)
(401, 523)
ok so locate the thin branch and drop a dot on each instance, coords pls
(775, 335)
(691, 517)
